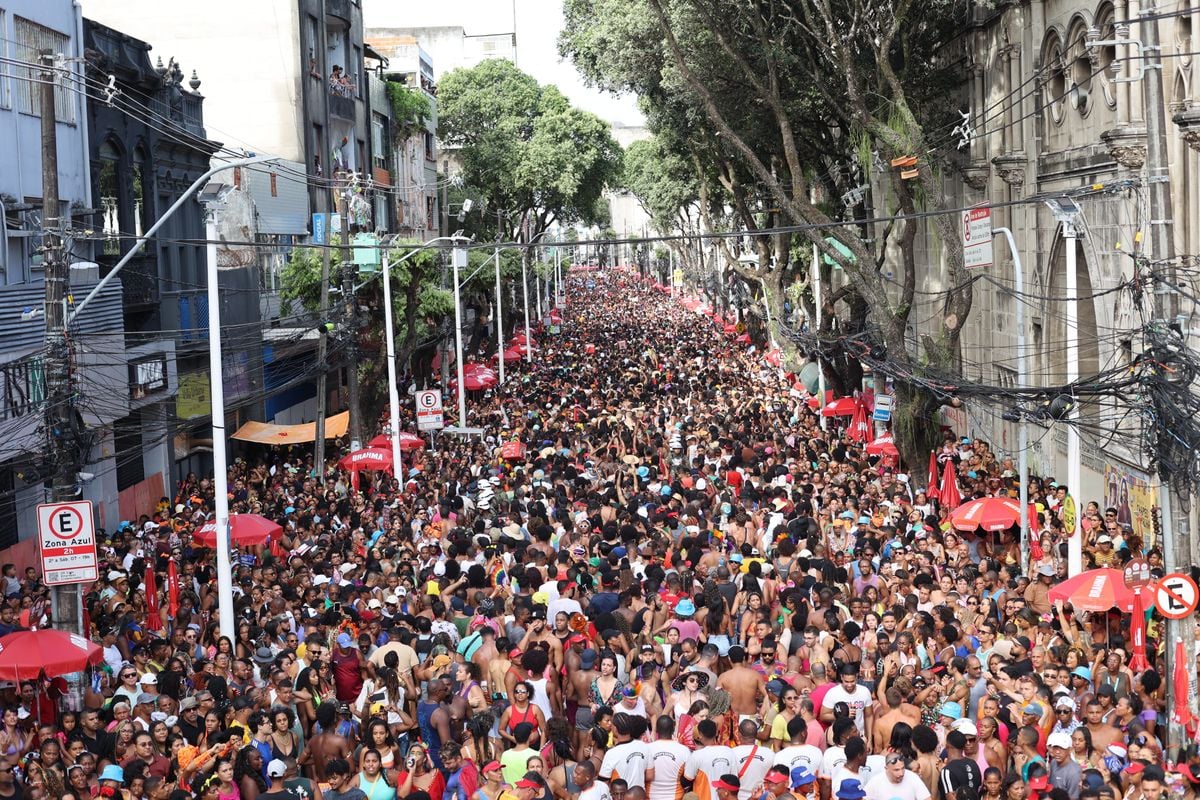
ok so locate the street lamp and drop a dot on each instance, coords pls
(212, 198)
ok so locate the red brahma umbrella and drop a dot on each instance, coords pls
(1095, 590)
(885, 445)
(988, 513)
(932, 491)
(244, 529)
(949, 495)
(27, 655)
(860, 426)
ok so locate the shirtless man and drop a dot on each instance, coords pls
(745, 686)
(1103, 734)
(538, 633)
(498, 667)
(897, 711)
(326, 745)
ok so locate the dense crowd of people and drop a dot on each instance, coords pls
(684, 587)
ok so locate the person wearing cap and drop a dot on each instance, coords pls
(850, 789)
(349, 668)
(896, 782)
(1064, 716)
(529, 788)
(275, 770)
(727, 787)
(1065, 774)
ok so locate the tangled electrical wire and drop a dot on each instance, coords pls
(1172, 434)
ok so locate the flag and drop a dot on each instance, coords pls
(951, 498)
(1181, 712)
(932, 491)
(153, 618)
(172, 589)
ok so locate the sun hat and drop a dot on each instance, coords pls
(851, 789)
(950, 709)
(685, 608)
(113, 772)
(802, 777)
(681, 679)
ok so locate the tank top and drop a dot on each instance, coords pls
(429, 734)
(377, 789)
(517, 717)
(347, 676)
(540, 697)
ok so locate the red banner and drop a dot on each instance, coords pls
(172, 589)
(1181, 712)
(1137, 631)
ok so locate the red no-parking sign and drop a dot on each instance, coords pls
(67, 539)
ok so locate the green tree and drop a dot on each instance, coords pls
(783, 105)
(525, 149)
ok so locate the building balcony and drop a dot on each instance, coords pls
(187, 313)
(139, 282)
(341, 104)
(339, 10)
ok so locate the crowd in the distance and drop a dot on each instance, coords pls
(684, 587)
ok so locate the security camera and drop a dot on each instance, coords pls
(85, 477)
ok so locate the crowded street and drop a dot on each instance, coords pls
(675, 584)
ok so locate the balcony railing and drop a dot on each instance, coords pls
(341, 103)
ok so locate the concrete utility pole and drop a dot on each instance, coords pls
(59, 416)
(1176, 550)
(322, 350)
(349, 271)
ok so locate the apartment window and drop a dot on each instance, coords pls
(110, 198)
(378, 140)
(30, 40)
(381, 211)
(430, 217)
(1006, 377)
(313, 43)
(4, 96)
(430, 147)
(355, 69)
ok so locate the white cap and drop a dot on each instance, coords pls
(375, 603)
(966, 727)
(1059, 739)
(149, 677)
(276, 768)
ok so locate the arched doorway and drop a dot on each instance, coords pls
(1053, 357)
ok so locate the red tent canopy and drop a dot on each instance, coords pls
(408, 441)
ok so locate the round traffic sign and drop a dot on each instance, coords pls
(65, 522)
(428, 399)
(1176, 596)
(1137, 573)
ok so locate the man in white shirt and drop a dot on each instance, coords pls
(858, 765)
(665, 759)
(628, 758)
(589, 787)
(858, 698)
(751, 761)
(713, 759)
(797, 753)
(834, 757)
(896, 782)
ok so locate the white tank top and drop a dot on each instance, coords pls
(540, 698)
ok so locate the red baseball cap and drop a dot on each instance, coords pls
(491, 765)
(729, 783)
(1134, 768)
(525, 783)
(774, 777)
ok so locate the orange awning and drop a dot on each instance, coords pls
(266, 433)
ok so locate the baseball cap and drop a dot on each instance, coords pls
(774, 777)
(525, 783)
(276, 768)
(1059, 739)
(1033, 709)
(344, 640)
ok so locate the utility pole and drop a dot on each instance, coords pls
(59, 422)
(444, 217)
(322, 350)
(1175, 548)
(349, 272)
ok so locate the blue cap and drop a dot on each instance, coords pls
(643, 472)
(344, 640)
(736, 558)
(619, 551)
(665, 491)
(685, 608)
(864, 520)
(290, 510)
(1082, 672)
(846, 515)
(950, 709)
(851, 789)
(112, 772)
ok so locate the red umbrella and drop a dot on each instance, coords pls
(172, 589)
(883, 446)
(153, 619)
(475, 382)
(512, 354)
(988, 513)
(773, 358)
(518, 338)
(932, 491)
(1180, 681)
(408, 441)
(730, 329)
(244, 529)
(949, 494)
(860, 426)
(743, 339)
(1095, 590)
(842, 407)
(371, 458)
(27, 655)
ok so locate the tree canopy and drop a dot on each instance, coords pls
(527, 151)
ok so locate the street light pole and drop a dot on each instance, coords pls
(499, 326)
(217, 394)
(458, 259)
(393, 390)
(1022, 377)
(525, 294)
